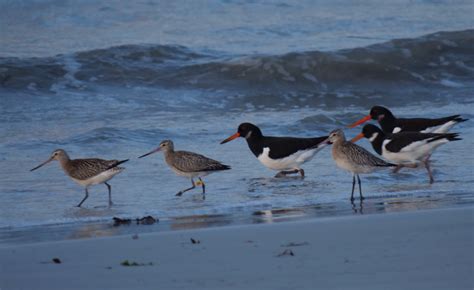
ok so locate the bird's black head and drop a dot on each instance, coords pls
(245, 130)
(371, 131)
(379, 113)
(248, 130)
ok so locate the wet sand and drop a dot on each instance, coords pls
(430, 249)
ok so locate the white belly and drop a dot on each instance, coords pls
(345, 164)
(440, 129)
(293, 161)
(100, 178)
(190, 174)
(413, 153)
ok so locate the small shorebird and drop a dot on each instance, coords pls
(406, 149)
(188, 164)
(285, 154)
(391, 124)
(87, 172)
(354, 158)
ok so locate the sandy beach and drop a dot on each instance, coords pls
(430, 249)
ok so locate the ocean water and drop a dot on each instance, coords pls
(111, 79)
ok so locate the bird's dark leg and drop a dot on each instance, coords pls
(203, 188)
(397, 168)
(353, 187)
(427, 166)
(183, 191)
(301, 172)
(360, 188)
(84, 199)
(284, 173)
(109, 187)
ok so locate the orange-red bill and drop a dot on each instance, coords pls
(357, 138)
(236, 135)
(361, 121)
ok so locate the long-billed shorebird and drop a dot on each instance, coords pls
(406, 149)
(87, 172)
(188, 164)
(284, 154)
(353, 158)
(391, 124)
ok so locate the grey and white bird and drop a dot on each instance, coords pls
(353, 158)
(87, 172)
(188, 164)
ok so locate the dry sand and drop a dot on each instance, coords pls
(412, 250)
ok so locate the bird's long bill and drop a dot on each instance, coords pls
(236, 135)
(361, 121)
(357, 138)
(151, 152)
(47, 161)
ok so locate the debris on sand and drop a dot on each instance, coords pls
(56, 261)
(146, 220)
(120, 221)
(286, 252)
(127, 263)
(295, 244)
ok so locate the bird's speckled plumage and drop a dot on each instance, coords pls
(353, 158)
(83, 169)
(188, 164)
(87, 172)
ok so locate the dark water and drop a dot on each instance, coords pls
(115, 86)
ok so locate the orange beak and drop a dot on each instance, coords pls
(236, 135)
(361, 121)
(357, 138)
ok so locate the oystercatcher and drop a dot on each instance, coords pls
(188, 164)
(391, 124)
(353, 158)
(285, 154)
(407, 149)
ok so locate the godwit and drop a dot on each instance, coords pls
(188, 164)
(87, 172)
(353, 158)
(391, 124)
(405, 148)
(285, 154)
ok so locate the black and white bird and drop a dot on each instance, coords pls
(188, 164)
(284, 154)
(353, 158)
(406, 149)
(391, 124)
(87, 172)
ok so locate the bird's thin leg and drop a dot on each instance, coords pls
(203, 188)
(353, 187)
(301, 172)
(109, 187)
(360, 188)
(84, 199)
(284, 173)
(397, 168)
(428, 158)
(427, 166)
(183, 191)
